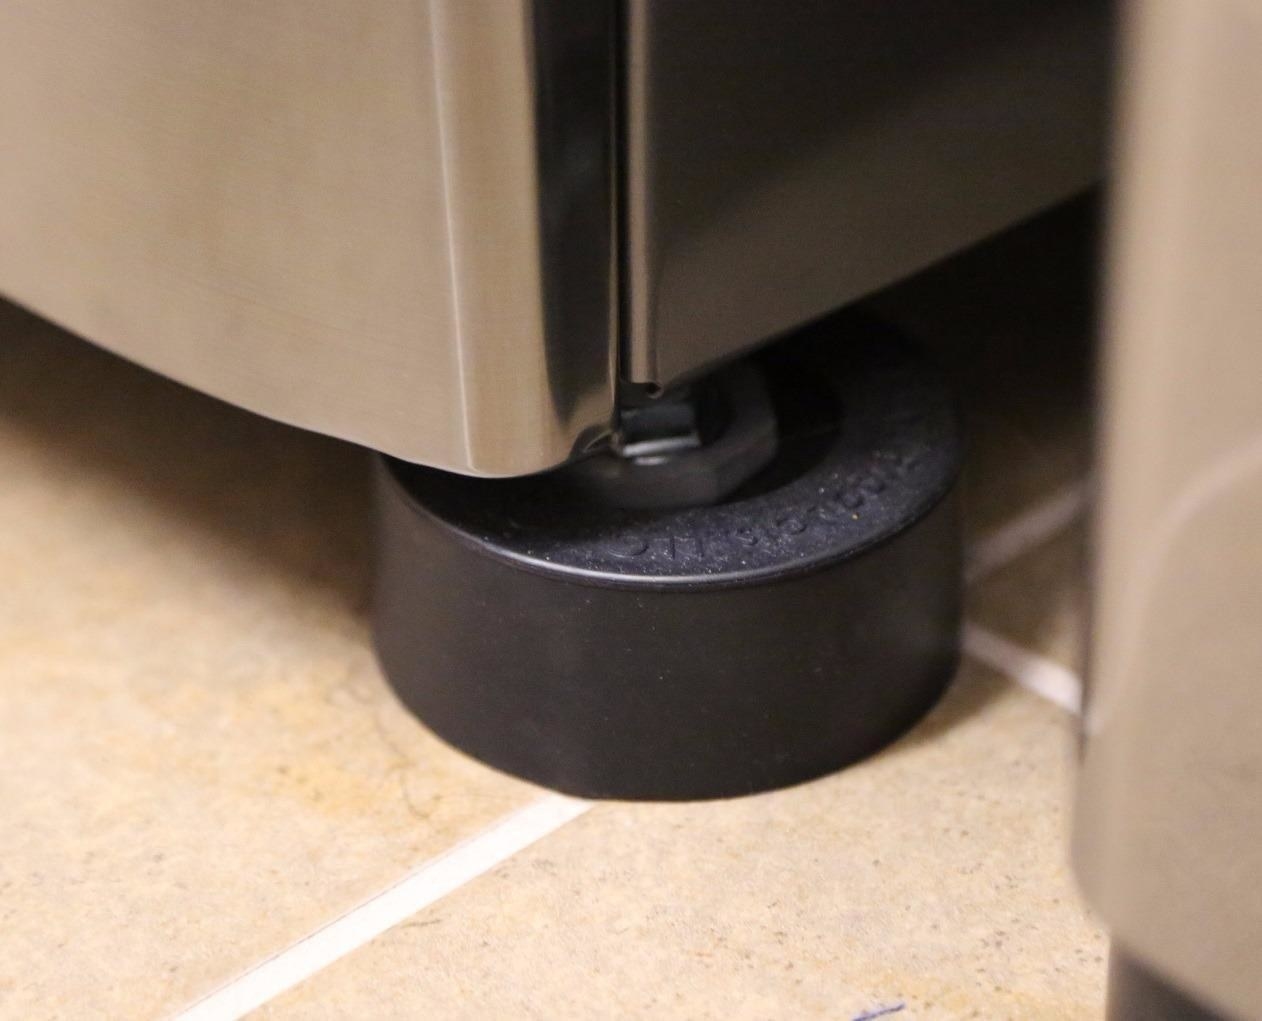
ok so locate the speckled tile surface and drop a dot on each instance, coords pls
(201, 763)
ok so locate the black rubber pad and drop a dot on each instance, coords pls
(797, 626)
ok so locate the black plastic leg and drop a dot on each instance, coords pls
(799, 624)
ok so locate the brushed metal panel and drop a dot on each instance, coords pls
(785, 158)
(1169, 826)
(387, 221)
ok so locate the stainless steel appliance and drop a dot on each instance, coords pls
(450, 230)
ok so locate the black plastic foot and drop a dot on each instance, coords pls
(798, 625)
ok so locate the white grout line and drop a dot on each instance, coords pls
(1026, 531)
(429, 883)
(1033, 672)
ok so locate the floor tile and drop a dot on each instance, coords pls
(201, 762)
(932, 876)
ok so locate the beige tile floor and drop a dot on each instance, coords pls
(202, 765)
